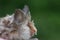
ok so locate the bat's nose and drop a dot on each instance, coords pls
(0, 34)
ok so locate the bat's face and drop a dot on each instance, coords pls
(4, 32)
(5, 27)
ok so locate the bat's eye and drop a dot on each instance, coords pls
(8, 22)
(6, 34)
(9, 26)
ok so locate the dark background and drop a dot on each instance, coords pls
(45, 13)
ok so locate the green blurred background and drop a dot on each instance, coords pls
(45, 13)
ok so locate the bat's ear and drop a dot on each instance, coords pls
(26, 9)
(19, 15)
(27, 12)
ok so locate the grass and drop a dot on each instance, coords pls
(48, 25)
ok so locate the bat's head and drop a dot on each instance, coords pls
(22, 16)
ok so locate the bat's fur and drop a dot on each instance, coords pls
(18, 26)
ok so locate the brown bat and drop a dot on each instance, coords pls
(19, 25)
(26, 27)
